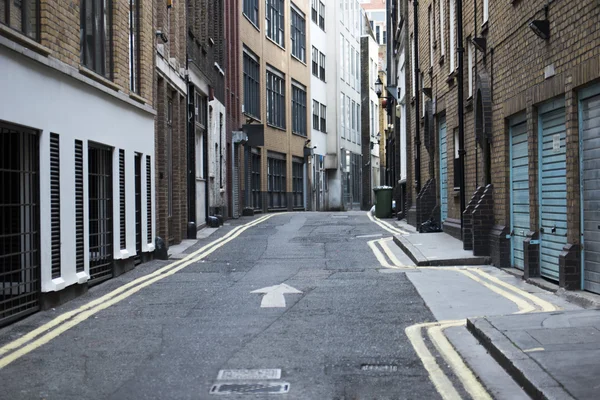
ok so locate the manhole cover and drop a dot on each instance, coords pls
(250, 388)
(248, 374)
(379, 368)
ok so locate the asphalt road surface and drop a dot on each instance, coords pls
(167, 335)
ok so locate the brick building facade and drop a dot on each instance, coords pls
(276, 93)
(170, 127)
(77, 161)
(530, 100)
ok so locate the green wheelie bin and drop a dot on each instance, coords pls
(383, 201)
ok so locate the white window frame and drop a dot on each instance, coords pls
(431, 35)
(486, 11)
(452, 36)
(442, 28)
(470, 55)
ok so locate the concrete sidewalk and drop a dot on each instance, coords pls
(435, 249)
(552, 355)
(178, 251)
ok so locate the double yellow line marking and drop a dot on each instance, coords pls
(387, 251)
(45, 333)
(394, 230)
(526, 302)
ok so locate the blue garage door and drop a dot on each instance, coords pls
(553, 186)
(589, 126)
(519, 187)
(443, 170)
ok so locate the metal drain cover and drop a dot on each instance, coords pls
(379, 367)
(251, 388)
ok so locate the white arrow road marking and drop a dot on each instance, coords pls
(274, 295)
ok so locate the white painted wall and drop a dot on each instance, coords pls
(51, 101)
(216, 149)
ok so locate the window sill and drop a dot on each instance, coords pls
(24, 40)
(456, 192)
(469, 103)
(442, 57)
(137, 97)
(451, 76)
(299, 60)
(253, 117)
(274, 42)
(299, 134)
(98, 78)
(251, 23)
(277, 127)
(485, 27)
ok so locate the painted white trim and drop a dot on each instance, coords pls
(170, 73)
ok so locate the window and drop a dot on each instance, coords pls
(456, 161)
(298, 109)
(96, 38)
(251, 84)
(423, 100)
(358, 123)
(276, 185)
(251, 10)
(322, 66)
(486, 11)
(430, 37)
(321, 15)
(353, 118)
(275, 21)
(298, 35)
(347, 50)
(21, 15)
(349, 119)
(323, 118)
(315, 115)
(315, 62)
(315, 11)
(298, 182)
(412, 66)
(442, 27)
(384, 37)
(352, 64)
(377, 33)
(342, 57)
(470, 64)
(357, 77)
(275, 98)
(452, 33)
(372, 119)
(134, 46)
(201, 109)
(342, 115)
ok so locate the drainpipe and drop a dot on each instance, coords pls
(417, 95)
(461, 116)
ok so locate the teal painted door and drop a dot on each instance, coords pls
(443, 170)
(553, 186)
(590, 181)
(519, 188)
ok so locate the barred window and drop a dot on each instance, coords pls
(298, 183)
(275, 21)
(299, 109)
(251, 10)
(275, 98)
(276, 181)
(298, 35)
(22, 15)
(251, 85)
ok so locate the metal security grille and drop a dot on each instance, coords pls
(79, 246)
(122, 222)
(19, 223)
(55, 203)
(149, 197)
(356, 172)
(138, 209)
(101, 221)
(276, 175)
(256, 198)
(298, 184)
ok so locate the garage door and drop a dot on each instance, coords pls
(590, 181)
(519, 188)
(553, 186)
(443, 170)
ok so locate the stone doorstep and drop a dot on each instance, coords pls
(523, 369)
(581, 298)
(422, 261)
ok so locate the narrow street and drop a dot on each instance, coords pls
(167, 329)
